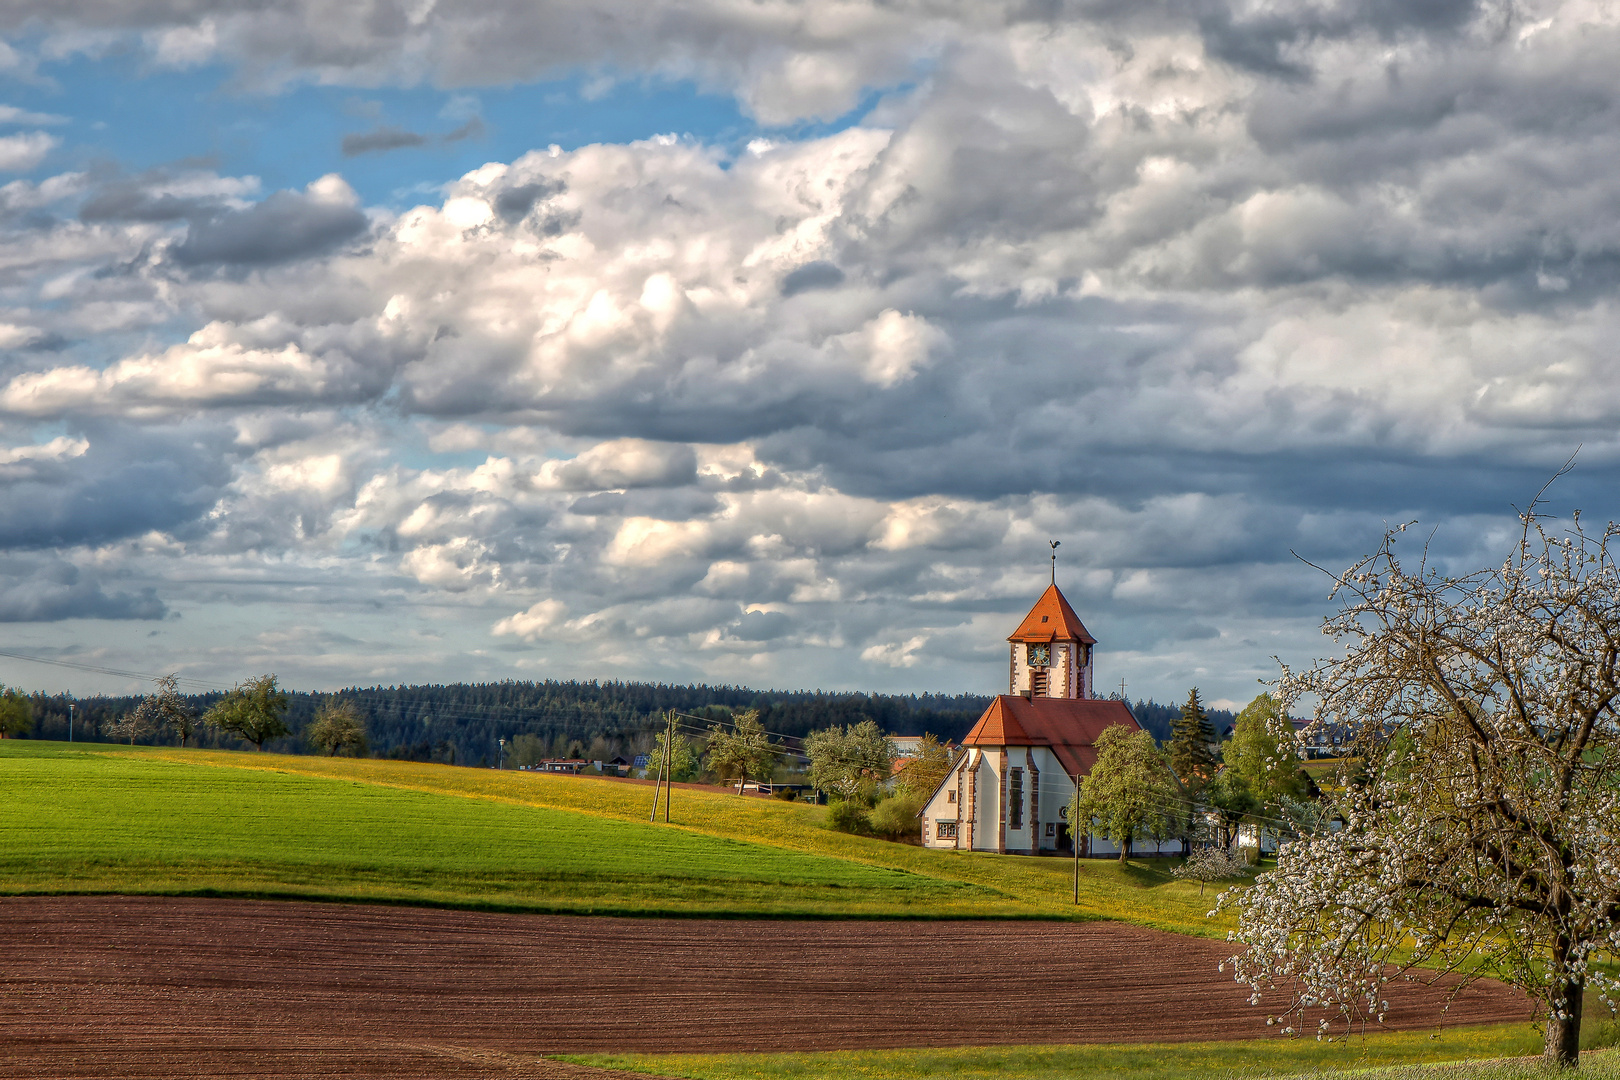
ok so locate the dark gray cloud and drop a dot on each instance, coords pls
(128, 482)
(514, 203)
(761, 626)
(380, 140)
(819, 274)
(133, 201)
(285, 226)
(50, 590)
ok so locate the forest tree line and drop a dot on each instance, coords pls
(462, 723)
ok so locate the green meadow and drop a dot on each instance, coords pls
(152, 820)
(1406, 1055)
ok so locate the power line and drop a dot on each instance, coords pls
(143, 675)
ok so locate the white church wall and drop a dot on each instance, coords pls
(948, 805)
(1056, 791)
(987, 814)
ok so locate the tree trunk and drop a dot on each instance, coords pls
(1125, 849)
(1563, 1041)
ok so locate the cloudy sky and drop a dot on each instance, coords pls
(769, 342)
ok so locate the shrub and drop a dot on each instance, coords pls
(786, 794)
(896, 818)
(849, 816)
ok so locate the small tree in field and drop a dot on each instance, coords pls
(850, 760)
(1130, 792)
(683, 761)
(16, 713)
(1482, 831)
(744, 752)
(337, 728)
(165, 709)
(1211, 864)
(127, 728)
(253, 711)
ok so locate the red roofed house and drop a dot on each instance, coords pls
(1011, 788)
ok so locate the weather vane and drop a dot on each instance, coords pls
(1054, 544)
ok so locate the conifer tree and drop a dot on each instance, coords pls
(1191, 752)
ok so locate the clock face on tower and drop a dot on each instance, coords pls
(1040, 655)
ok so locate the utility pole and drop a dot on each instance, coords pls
(658, 783)
(665, 761)
(669, 753)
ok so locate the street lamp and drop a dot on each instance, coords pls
(500, 758)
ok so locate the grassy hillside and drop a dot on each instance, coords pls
(161, 820)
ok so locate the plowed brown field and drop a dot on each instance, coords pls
(153, 987)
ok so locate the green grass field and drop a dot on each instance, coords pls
(166, 821)
(1386, 1054)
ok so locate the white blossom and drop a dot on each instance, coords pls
(1479, 822)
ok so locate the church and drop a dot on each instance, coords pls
(1009, 792)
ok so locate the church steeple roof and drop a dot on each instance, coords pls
(1052, 619)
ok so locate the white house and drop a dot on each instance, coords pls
(1010, 790)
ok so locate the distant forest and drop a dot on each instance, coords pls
(461, 723)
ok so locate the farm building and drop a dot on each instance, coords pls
(1010, 789)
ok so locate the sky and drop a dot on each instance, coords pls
(770, 343)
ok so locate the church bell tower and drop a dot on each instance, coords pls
(1051, 651)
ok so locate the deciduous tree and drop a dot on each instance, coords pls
(337, 728)
(744, 751)
(683, 763)
(1494, 847)
(844, 760)
(127, 727)
(165, 710)
(1228, 797)
(1208, 864)
(254, 710)
(16, 713)
(1264, 752)
(924, 770)
(1130, 793)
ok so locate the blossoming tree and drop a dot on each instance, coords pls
(1481, 828)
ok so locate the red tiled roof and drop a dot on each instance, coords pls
(1052, 619)
(1068, 725)
(998, 727)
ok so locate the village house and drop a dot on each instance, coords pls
(1011, 786)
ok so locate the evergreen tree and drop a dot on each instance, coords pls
(1191, 749)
